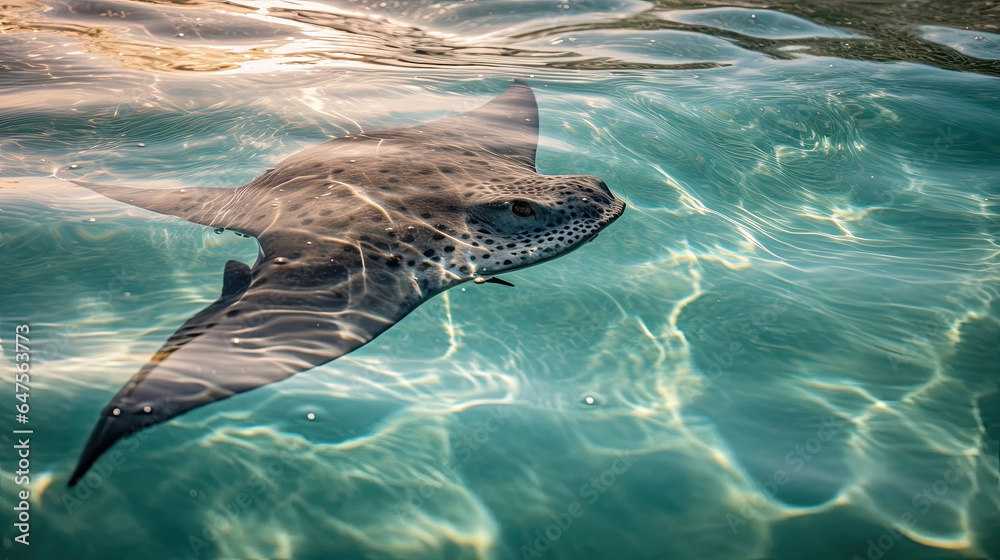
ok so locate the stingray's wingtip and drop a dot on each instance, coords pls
(109, 429)
(77, 475)
(86, 461)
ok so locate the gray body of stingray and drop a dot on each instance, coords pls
(354, 234)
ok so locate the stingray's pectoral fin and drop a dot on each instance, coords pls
(198, 205)
(154, 396)
(269, 323)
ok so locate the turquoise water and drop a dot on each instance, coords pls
(787, 347)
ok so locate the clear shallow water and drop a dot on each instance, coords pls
(790, 339)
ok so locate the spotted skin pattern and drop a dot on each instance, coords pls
(354, 234)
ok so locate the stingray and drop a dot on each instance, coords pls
(354, 234)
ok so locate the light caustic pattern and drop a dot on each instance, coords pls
(785, 348)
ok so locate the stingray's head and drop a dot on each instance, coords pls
(518, 225)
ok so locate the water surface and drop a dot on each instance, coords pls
(787, 347)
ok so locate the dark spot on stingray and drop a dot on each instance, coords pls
(449, 248)
(466, 236)
(407, 238)
(307, 221)
(486, 255)
(447, 170)
(411, 263)
(384, 171)
(437, 237)
(392, 261)
(338, 170)
(488, 241)
(508, 261)
(512, 244)
(463, 269)
(425, 215)
(429, 253)
(393, 180)
(233, 313)
(326, 212)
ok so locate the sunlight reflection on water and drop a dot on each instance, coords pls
(791, 335)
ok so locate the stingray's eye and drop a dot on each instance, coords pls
(522, 209)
